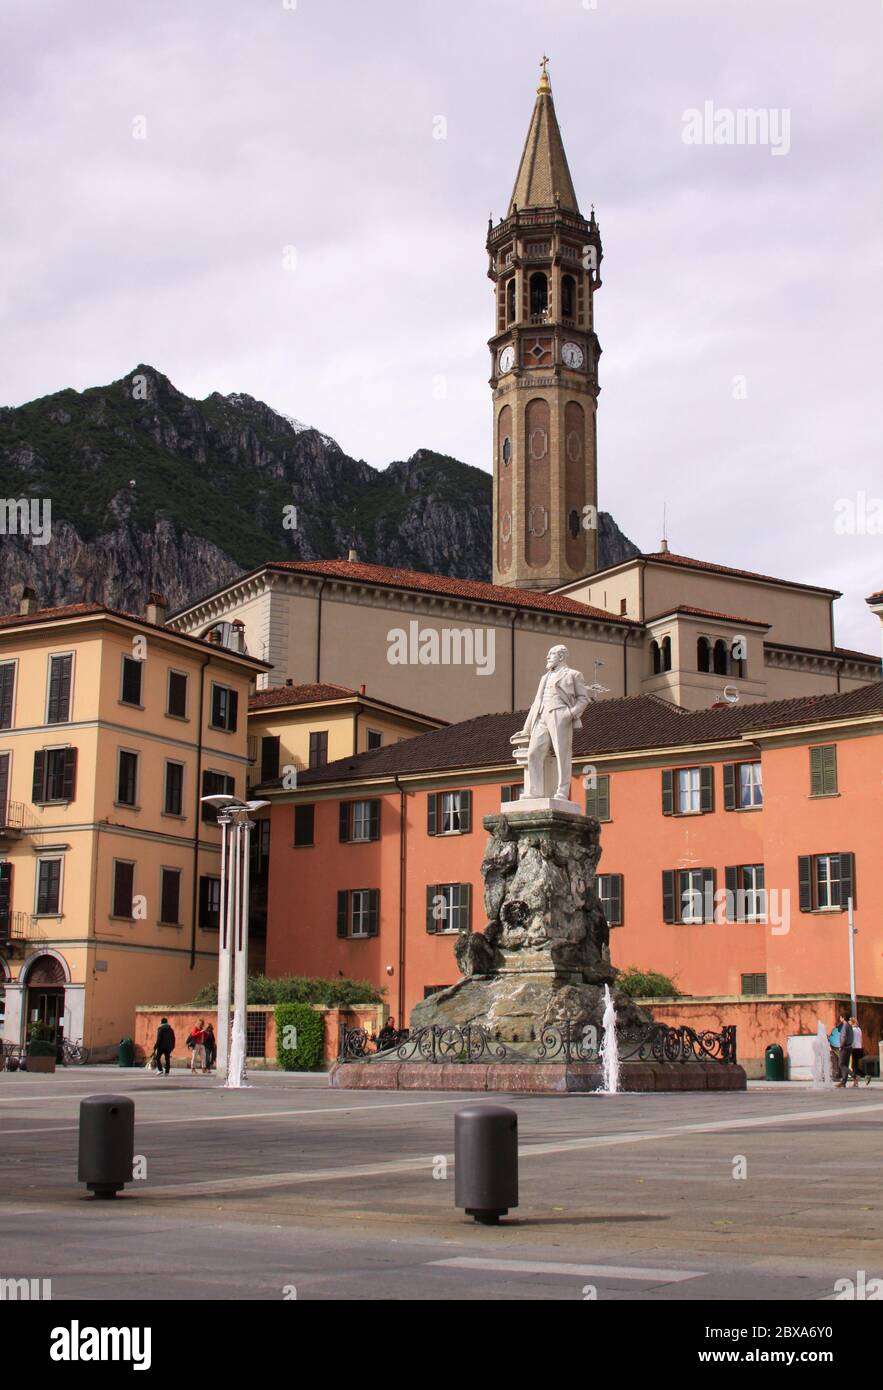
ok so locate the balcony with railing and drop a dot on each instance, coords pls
(16, 819)
(20, 926)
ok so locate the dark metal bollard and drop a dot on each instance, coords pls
(486, 1161)
(107, 1143)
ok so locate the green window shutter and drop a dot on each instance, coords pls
(804, 879)
(729, 786)
(465, 812)
(373, 911)
(708, 904)
(603, 798)
(816, 775)
(69, 775)
(706, 788)
(592, 802)
(847, 879)
(342, 906)
(431, 895)
(466, 899)
(668, 796)
(615, 918)
(374, 821)
(39, 774)
(829, 769)
(668, 895)
(731, 883)
(344, 823)
(432, 814)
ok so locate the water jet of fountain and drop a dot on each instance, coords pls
(609, 1047)
(822, 1080)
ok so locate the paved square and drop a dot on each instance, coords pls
(288, 1186)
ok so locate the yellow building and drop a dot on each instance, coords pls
(112, 727)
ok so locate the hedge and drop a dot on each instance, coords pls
(299, 989)
(310, 1031)
(646, 984)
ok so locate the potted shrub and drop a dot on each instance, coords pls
(41, 1049)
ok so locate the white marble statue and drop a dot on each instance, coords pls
(561, 697)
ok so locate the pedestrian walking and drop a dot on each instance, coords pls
(858, 1054)
(210, 1043)
(196, 1042)
(164, 1047)
(844, 1049)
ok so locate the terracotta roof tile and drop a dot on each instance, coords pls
(391, 577)
(665, 557)
(80, 610)
(298, 695)
(609, 726)
(707, 613)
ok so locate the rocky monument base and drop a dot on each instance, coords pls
(527, 1013)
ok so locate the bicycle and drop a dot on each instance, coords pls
(73, 1054)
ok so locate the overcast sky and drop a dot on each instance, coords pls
(740, 314)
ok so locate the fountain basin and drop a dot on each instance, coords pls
(535, 1078)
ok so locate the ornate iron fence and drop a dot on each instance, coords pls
(558, 1042)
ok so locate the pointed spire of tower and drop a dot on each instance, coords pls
(543, 176)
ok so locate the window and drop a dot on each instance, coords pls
(448, 907)
(170, 897)
(259, 849)
(513, 791)
(826, 881)
(58, 708)
(6, 874)
(127, 778)
(688, 895)
(255, 1035)
(510, 300)
(123, 888)
(720, 658)
(173, 800)
(598, 798)
(358, 911)
(430, 990)
(225, 705)
(539, 295)
(687, 791)
(375, 739)
(55, 774)
(5, 761)
(568, 297)
(319, 748)
(48, 887)
(304, 825)
(660, 653)
(209, 902)
(610, 896)
(7, 693)
(823, 770)
(359, 820)
(215, 784)
(753, 984)
(270, 745)
(130, 688)
(743, 786)
(703, 654)
(746, 894)
(449, 813)
(176, 702)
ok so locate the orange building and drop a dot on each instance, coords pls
(732, 838)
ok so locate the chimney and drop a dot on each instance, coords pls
(29, 602)
(156, 609)
(362, 689)
(352, 555)
(663, 546)
(238, 643)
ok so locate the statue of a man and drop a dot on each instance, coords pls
(561, 698)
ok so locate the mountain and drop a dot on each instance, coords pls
(151, 490)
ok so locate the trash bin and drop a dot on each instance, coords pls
(127, 1052)
(774, 1063)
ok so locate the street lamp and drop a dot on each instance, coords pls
(236, 828)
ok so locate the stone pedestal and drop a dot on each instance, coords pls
(543, 957)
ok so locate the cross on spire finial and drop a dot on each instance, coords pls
(545, 84)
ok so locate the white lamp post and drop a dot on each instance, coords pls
(236, 828)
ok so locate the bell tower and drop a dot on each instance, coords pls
(545, 260)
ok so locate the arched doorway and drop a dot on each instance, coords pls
(45, 981)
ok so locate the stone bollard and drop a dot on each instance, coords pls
(486, 1161)
(107, 1143)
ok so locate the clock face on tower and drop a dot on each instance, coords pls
(507, 358)
(572, 355)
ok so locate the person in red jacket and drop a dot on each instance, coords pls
(196, 1042)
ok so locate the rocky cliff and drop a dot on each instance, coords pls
(152, 490)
